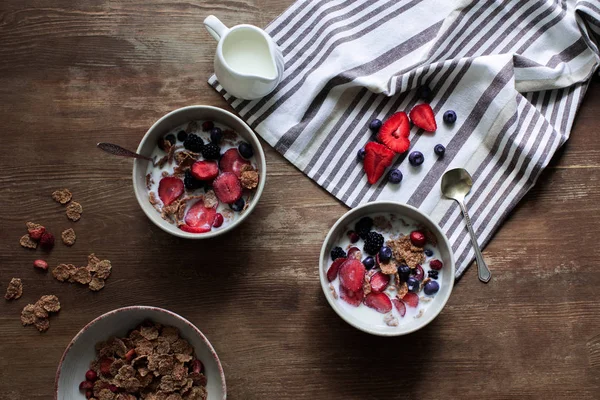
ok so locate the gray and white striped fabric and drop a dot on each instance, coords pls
(515, 72)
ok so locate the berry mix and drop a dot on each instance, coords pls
(392, 138)
(385, 265)
(153, 362)
(204, 178)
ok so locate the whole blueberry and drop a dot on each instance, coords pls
(245, 150)
(181, 136)
(413, 284)
(416, 158)
(216, 135)
(428, 252)
(395, 176)
(431, 287)
(369, 262)
(404, 272)
(375, 125)
(449, 117)
(238, 205)
(361, 154)
(439, 150)
(425, 92)
(385, 254)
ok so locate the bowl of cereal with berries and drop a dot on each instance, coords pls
(386, 268)
(140, 352)
(208, 174)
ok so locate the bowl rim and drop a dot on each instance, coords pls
(129, 308)
(325, 283)
(157, 219)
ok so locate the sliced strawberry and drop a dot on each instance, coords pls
(422, 116)
(379, 301)
(199, 218)
(354, 252)
(227, 187)
(379, 281)
(400, 307)
(332, 272)
(352, 298)
(411, 299)
(352, 275)
(232, 161)
(418, 272)
(169, 189)
(394, 132)
(377, 159)
(205, 170)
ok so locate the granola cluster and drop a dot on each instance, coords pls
(153, 362)
(37, 314)
(93, 274)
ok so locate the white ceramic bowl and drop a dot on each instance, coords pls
(407, 325)
(167, 123)
(80, 352)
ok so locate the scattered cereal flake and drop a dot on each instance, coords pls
(366, 287)
(149, 181)
(210, 199)
(93, 262)
(74, 211)
(63, 272)
(420, 314)
(105, 394)
(249, 179)
(182, 346)
(170, 333)
(103, 269)
(82, 275)
(149, 332)
(186, 158)
(27, 315)
(152, 198)
(424, 299)
(39, 311)
(183, 358)
(333, 291)
(390, 320)
(14, 290)
(50, 303)
(33, 225)
(68, 237)
(406, 252)
(171, 153)
(382, 223)
(388, 268)
(424, 282)
(163, 160)
(402, 290)
(27, 242)
(144, 348)
(96, 284)
(63, 196)
(192, 127)
(42, 324)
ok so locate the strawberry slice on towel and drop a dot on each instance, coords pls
(377, 159)
(422, 116)
(395, 131)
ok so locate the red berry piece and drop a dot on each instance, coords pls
(36, 233)
(205, 170)
(47, 241)
(379, 281)
(418, 238)
(130, 355)
(218, 220)
(352, 298)
(105, 364)
(411, 299)
(197, 366)
(89, 394)
(353, 236)
(436, 264)
(395, 131)
(399, 306)
(423, 117)
(113, 388)
(91, 375)
(207, 126)
(227, 187)
(377, 159)
(232, 161)
(86, 385)
(333, 270)
(418, 272)
(170, 189)
(354, 252)
(380, 302)
(41, 264)
(352, 275)
(199, 219)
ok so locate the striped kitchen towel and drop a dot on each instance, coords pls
(515, 72)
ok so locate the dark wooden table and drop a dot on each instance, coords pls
(73, 73)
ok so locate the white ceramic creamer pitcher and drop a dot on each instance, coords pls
(248, 63)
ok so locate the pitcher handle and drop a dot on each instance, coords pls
(215, 27)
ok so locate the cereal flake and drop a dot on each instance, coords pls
(74, 211)
(27, 242)
(14, 290)
(62, 196)
(68, 237)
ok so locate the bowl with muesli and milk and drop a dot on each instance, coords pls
(386, 268)
(208, 173)
(140, 352)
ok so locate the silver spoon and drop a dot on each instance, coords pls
(456, 184)
(120, 151)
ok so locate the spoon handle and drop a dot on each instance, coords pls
(482, 269)
(120, 151)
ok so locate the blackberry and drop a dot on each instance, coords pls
(433, 274)
(363, 227)
(193, 143)
(181, 136)
(190, 182)
(337, 252)
(211, 151)
(373, 242)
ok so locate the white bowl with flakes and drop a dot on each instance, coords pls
(367, 319)
(171, 121)
(81, 351)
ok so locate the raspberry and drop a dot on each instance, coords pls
(47, 241)
(373, 242)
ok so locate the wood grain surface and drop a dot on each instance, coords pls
(73, 73)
